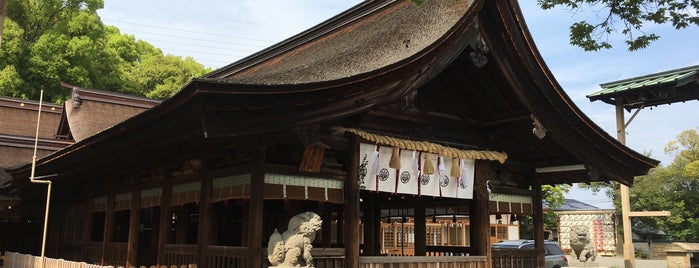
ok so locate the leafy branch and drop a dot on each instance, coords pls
(634, 16)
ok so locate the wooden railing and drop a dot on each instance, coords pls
(226, 257)
(115, 255)
(179, 254)
(73, 250)
(328, 257)
(448, 251)
(397, 251)
(322, 257)
(424, 262)
(16, 260)
(514, 258)
(234, 257)
(94, 251)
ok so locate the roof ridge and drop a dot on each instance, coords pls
(663, 73)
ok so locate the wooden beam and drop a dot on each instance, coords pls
(165, 221)
(256, 208)
(663, 213)
(108, 226)
(134, 230)
(205, 220)
(351, 226)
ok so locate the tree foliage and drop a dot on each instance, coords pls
(46, 42)
(553, 197)
(674, 188)
(628, 17)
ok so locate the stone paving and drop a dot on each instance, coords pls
(619, 262)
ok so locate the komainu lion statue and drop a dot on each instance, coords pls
(293, 247)
(581, 244)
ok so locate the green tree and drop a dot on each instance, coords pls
(674, 188)
(629, 17)
(553, 197)
(49, 41)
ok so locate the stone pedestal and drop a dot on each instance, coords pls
(582, 264)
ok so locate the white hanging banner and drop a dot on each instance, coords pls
(409, 170)
(429, 183)
(387, 176)
(376, 175)
(465, 185)
(366, 162)
(447, 183)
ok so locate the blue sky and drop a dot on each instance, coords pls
(220, 32)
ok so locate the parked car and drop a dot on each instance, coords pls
(552, 251)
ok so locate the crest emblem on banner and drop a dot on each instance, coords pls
(444, 182)
(383, 174)
(405, 177)
(425, 179)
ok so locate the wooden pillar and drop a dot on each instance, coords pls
(181, 224)
(108, 226)
(538, 223)
(340, 227)
(480, 215)
(203, 234)
(87, 225)
(369, 225)
(256, 209)
(626, 213)
(244, 222)
(629, 261)
(54, 234)
(377, 232)
(134, 230)
(351, 226)
(327, 227)
(164, 222)
(420, 230)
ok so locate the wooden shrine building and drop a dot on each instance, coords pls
(454, 91)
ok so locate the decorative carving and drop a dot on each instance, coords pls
(293, 247)
(362, 173)
(189, 166)
(539, 131)
(581, 244)
(407, 103)
(478, 55)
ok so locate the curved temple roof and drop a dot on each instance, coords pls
(371, 56)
